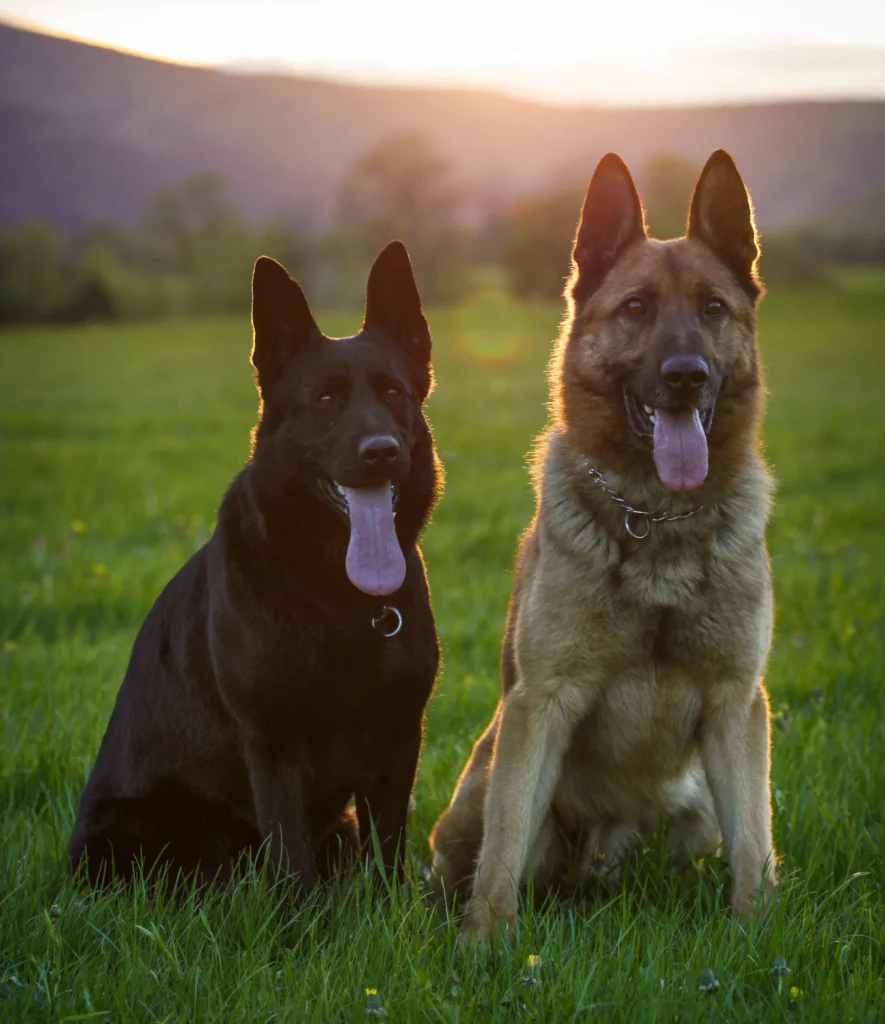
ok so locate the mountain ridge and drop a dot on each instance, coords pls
(90, 132)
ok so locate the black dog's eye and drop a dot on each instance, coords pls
(330, 396)
(635, 307)
(715, 307)
(393, 392)
(332, 392)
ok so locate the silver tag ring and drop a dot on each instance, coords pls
(631, 531)
(377, 620)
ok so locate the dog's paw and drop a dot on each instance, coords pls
(755, 901)
(483, 926)
(476, 939)
(472, 940)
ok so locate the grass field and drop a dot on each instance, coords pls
(115, 447)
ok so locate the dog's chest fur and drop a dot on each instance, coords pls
(636, 638)
(645, 702)
(628, 749)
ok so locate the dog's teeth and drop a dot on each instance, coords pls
(648, 409)
(651, 417)
(340, 489)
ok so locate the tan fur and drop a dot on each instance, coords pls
(632, 668)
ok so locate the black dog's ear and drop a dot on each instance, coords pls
(394, 305)
(611, 220)
(721, 216)
(281, 318)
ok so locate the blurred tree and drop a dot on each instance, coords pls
(224, 256)
(177, 222)
(401, 189)
(95, 285)
(666, 185)
(116, 241)
(189, 253)
(221, 266)
(536, 255)
(93, 301)
(788, 263)
(34, 281)
(844, 246)
(287, 241)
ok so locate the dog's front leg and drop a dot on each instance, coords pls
(532, 738)
(277, 782)
(383, 804)
(735, 746)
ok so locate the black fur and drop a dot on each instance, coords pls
(259, 698)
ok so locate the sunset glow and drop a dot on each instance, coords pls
(686, 51)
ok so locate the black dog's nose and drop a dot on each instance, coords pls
(685, 373)
(379, 450)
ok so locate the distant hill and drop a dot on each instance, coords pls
(87, 133)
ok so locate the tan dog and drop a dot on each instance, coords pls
(635, 642)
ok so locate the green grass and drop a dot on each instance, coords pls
(115, 447)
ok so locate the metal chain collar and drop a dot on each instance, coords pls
(641, 516)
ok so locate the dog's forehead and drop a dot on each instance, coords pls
(675, 269)
(353, 355)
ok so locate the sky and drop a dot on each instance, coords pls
(613, 53)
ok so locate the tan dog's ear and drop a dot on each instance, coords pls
(611, 220)
(721, 216)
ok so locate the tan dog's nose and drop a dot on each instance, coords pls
(684, 374)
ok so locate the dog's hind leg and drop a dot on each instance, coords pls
(457, 834)
(178, 833)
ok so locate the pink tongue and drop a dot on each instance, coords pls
(680, 449)
(375, 562)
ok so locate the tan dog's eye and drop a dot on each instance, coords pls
(635, 307)
(715, 307)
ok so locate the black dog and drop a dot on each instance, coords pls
(286, 666)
